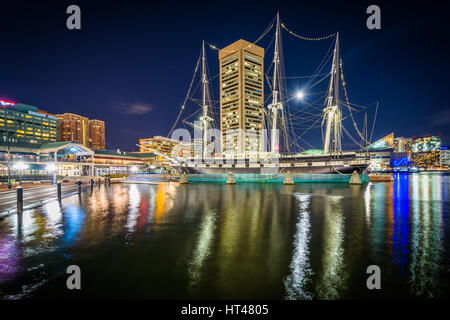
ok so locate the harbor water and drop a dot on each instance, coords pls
(244, 241)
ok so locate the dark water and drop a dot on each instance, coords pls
(245, 241)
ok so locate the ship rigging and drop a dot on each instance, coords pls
(282, 121)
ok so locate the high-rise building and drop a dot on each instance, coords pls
(159, 144)
(242, 98)
(97, 134)
(24, 123)
(73, 127)
(445, 157)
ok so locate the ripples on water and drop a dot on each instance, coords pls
(308, 241)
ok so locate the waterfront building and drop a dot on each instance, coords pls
(380, 160)
(426, 143)
(426, 159)
(76, 128)
(445, 157)
(425, 151)
(21, 123)
(70, 159)
(159, 144)
(242, 98)
(402, 144)
(380, 153)
(384, 143)
(119, 162)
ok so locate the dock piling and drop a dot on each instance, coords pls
(58, 188)
(19, 199)
(355, 179)
(184, 179)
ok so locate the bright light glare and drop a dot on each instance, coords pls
(51, 167)
(20, 166)
(152, 167)
(134, 169)
(300, 95)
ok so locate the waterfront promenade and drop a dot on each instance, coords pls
(34, 196)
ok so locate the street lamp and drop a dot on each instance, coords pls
(21, 166)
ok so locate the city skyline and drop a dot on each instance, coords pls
(281, 153)
(139, 103)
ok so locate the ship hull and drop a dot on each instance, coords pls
(345, 164)
(294, 170)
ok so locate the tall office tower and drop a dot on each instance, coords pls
(97, 134)
(242, 98)
(73, 127)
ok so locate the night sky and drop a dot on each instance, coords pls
(131, 63)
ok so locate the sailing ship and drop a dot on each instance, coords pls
(330, 160)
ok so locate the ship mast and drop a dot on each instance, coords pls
(332, 113)
(275, 105)
(205, 119)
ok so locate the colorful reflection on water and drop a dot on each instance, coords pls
(308, 241)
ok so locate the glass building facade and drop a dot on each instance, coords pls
(24, 123)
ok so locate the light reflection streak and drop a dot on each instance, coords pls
(202, 248)
(367, 200)
(164, 201)
(426, 238)
(229, 231)
(72, 224)
(400, 223)
(9, 259)
(133, 208)
(99, 201)
(378, 221)
(333, 277)
(54, 219)
(296, 283)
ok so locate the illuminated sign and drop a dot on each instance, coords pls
(7, 103)
(402, 162)
(117, 168)
(41, 115)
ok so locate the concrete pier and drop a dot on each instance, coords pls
(230, 179)
(355, 179)
(288, 178)
(184, 179)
